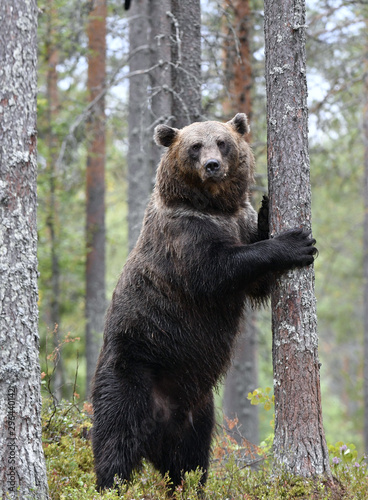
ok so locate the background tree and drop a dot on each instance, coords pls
(52, 92)
(242, 377)
(65, 33)
(95, 182)
(164, 86)
(299, 442)
(186, 62)
(161, 97)
(237, 58)
(22, 472)
(140, 179)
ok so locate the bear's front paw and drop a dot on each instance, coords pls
(298, 247)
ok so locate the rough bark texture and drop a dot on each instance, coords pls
(186, 60)
(299, 436)
(242, 377)
(21, 456)
(95, 182)
(365, 139)
(140, 180)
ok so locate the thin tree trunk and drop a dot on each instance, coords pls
(140, 178)
(186, 60)
(160, 76)
(242, 377)
(299, 442)
(22, 471)
(365, 139)
(238, 64)
(52, 219)
(95, 228)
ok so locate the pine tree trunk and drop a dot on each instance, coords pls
(238, 64)
(140, 178)
(299, 441)
(165, 48)
(95, 185)
(186, 59)
(52, 218)
(21, 454)
(160, 76)
(242, 377)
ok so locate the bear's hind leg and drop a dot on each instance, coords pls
(114, 459)
(186, 447)
(118, 411)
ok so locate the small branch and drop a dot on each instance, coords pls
(177, 35)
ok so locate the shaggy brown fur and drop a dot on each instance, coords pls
(176, 309)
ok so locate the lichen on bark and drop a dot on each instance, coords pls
(23, 472)
(299, 442)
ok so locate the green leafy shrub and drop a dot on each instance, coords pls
(262, 396)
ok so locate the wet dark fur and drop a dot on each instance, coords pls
(176, 309)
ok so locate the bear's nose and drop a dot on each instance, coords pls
(212, 166)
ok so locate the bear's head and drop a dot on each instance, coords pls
(210, 161)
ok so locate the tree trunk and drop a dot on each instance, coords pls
(242, 377)
(238, 64)
(365, 140)
(95, 184)
(299, 441)
(186, 60)
(52, 218)
(160, 76)
(170, 73)
(22, 471)
(140, 178)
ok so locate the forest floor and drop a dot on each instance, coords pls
(236, 472)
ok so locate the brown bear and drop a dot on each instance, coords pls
(176, 309)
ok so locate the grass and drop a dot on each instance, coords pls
(236, 472)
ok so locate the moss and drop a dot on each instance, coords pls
(237, 472)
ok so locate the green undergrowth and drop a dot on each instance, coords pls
(236, 471)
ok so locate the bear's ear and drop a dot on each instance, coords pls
(165, 135)
(240, 123)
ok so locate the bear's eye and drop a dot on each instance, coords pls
(196, 147)
(221, 145)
